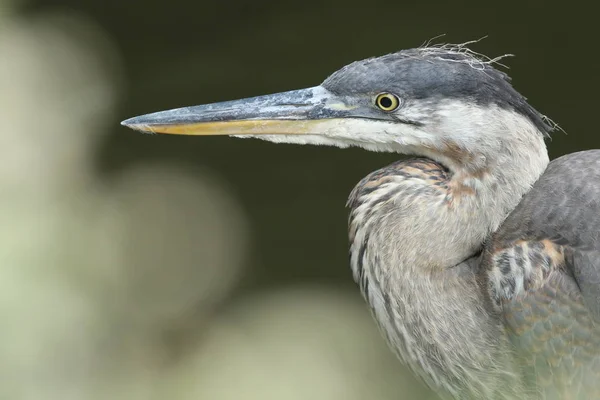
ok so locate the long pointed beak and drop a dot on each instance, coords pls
(294, 112)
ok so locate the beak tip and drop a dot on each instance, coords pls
(130, 122)
(137, 125)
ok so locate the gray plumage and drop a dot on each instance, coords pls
(553, 323)
(479, 259)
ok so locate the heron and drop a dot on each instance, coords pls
(479, 258)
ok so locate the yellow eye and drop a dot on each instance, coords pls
(387, 101)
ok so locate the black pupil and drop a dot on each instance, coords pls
(385, 102)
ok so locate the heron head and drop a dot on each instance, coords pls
(433, 101)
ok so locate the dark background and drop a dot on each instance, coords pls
(167, 54)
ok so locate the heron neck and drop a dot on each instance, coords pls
(413, 225)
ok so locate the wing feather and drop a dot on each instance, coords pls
(542, 270)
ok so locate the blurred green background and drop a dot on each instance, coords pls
(163, 267)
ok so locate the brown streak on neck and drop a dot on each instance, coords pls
(464, 167)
